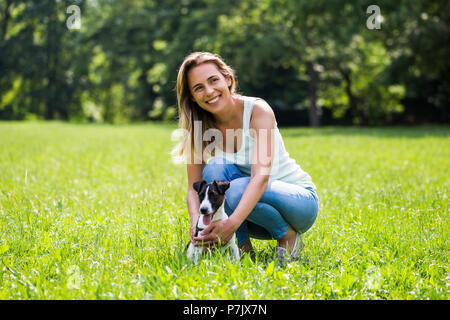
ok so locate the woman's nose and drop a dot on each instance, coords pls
(209, 90)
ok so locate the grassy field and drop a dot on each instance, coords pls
(98, 212)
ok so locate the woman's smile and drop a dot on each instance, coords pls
(214, 101)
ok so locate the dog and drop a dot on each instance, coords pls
(212, 201)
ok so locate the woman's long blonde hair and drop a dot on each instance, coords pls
(189, 111)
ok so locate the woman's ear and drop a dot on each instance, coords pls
(228, 80)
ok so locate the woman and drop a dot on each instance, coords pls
(270, 196)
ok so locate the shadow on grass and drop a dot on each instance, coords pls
(262, 258)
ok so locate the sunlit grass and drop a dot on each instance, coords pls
(98, 212)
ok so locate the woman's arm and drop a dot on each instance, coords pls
(194, 174)
(262, 125)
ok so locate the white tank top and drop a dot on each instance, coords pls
(283, 167)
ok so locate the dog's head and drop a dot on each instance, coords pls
(211, 197)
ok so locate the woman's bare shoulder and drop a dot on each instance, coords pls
(262, 115)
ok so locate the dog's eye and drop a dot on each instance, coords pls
(213, 194)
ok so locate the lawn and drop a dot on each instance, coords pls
(98, 212)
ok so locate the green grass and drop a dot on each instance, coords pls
(98, 212)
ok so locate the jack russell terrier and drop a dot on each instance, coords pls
(212, 201)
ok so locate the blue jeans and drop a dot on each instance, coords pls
(281, 205)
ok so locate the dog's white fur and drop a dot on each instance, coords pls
(194, 252)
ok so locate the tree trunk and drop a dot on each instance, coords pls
(50, 66)
(6, 17)
(353, 111)
(314, 110)
(149, 96)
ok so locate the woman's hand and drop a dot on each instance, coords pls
(222, 230)
(193, 228)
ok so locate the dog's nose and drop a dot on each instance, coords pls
(204, 210)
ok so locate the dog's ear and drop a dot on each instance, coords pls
(222, 186)
(198, 185)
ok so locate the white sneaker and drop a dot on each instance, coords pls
(298, 246)
(283, 256)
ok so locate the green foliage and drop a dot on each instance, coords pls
(364, 90)
(99, 212)
(297, 54)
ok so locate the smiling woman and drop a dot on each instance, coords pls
(191, 95)
(270, 196)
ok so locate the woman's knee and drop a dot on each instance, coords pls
(217, 169)
(235, 191)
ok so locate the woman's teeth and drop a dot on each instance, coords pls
(213, 100)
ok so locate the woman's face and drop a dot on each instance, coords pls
(209, 88)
